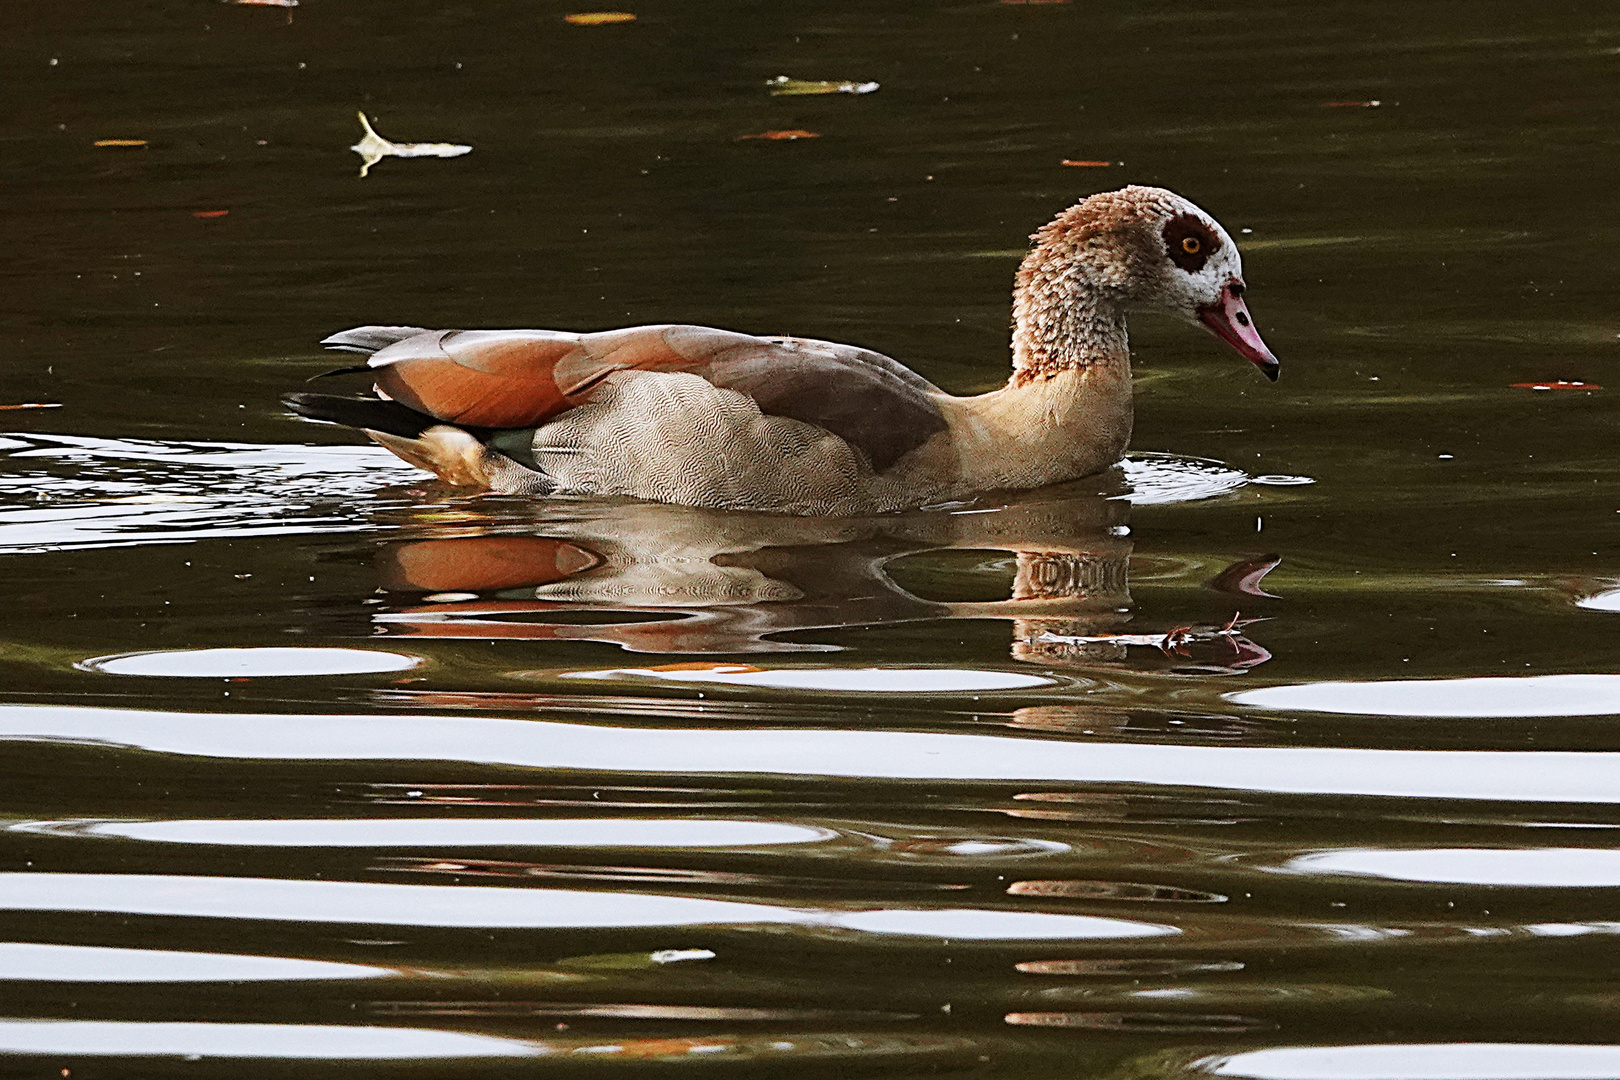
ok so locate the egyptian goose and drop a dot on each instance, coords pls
(705, 417)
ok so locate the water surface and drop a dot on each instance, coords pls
(1285, 751)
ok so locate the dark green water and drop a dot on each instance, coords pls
(914, 806)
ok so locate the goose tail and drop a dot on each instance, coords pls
(365, 413)
(368, 339)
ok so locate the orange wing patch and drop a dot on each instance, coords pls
(521, 378)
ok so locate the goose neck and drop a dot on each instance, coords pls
(1063, 321)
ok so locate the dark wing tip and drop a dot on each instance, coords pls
(368, 339)
(374, 414)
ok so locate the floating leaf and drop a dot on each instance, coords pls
(782, 86)
(209, 213)
(265, 3)
(1351, 104)
(632, 961)
(1556, 384)
(1086, 164)
(1136, 1020)
(372, 148)
(120, 142)
(34, 405)
(790, 133)
(599, 18)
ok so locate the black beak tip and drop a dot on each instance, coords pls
(1271, 371)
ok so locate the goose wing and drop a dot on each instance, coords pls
(523, 378)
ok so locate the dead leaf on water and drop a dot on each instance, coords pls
(599, 18)
(120, 142)
(782, 86)
(209, 213)
(35, 405)
(1073, 164)
(1556, 384)
(265, 3)
(372, 148)
(788, 134)
(634, 961)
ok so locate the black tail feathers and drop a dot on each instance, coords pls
(375, 414)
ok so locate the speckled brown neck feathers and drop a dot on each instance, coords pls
(1070, 294)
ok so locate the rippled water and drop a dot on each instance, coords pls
(1286, 751)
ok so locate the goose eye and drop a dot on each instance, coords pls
(1189, 242)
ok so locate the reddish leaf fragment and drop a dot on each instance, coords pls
(789, 133)
(1556, 384)
(265, 3)
(1086, 164)
(209, 213)
(1351, 104)
(34, 405)
(599, 18)
(120, 142)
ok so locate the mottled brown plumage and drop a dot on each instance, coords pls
(708, 417)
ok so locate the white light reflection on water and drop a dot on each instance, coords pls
(484, 907)
(1525, 695)
(31, 962)
(250, 662)
(1572, 929)
(1521, 775)
(71, 492)
(1421, 1061)
(1603, 601)
(1161, 479)
(66, 492)
(460, 832)
(86, 1038)
(1558, 868)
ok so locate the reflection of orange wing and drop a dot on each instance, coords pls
(522, 378)
(481, 563)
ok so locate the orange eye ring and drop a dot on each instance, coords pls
(1191, 245)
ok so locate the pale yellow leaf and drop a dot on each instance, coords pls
(372, 148)
(782, 86)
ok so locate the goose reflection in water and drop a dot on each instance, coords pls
(655, 578)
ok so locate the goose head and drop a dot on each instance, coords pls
(1149, 249)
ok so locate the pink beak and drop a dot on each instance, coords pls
(1229, 320)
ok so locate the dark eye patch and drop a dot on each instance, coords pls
(1189, 242)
